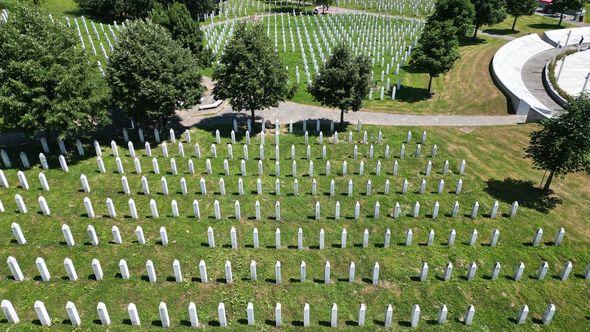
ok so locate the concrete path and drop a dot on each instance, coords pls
(289, 111)
(491, 35)
(532, 76)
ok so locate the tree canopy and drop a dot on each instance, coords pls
(116, 8)
(151, 75)
(518, 8)
(343, 82)
(197, 8)
(460, 12)
(488, 12)
(562, 145)
(561, 6)
(324, 3)
(437, 50)
(177, 20)
(46, 80)
(250, 74)
(140, 8)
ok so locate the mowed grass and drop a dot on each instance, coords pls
(496, 170)
(526, 25)
(467, 89)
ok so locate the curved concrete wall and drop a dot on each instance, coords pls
(507, 66)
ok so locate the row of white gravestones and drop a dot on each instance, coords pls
(154, 212)
(262, 155)
(378, 170)
(187, 136)
(164, 239)
(115, 151)
(93, 237)
(369, 189)
(294, 173)
(229, 279)
(24, 183)
(26, 163)
(409, 235)
(371, 154)
(198, 154)
(73, 315)
(495, 273)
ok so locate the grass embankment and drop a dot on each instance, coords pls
(467, 89)
(495, 171)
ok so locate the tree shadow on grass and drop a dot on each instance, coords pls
(311, 124)
(412, 94)
(545, 26)
(469, 41)
(500, 32)
(526, 193)
(224, 123)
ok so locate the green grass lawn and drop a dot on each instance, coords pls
(467, 89)
(526, 25)
(496, 170)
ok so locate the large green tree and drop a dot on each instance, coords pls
(140, 8)
(116, 8)
(437, 50)
(324, 3)
(460, 12)
(250, 74)
(561, 6)
(343, 82)
(518, 8)
(151, 75)
(488, 12)
(177, 19)
(197, 8)
(562, 145)
(46, 80)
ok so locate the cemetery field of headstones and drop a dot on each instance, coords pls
(391, 7)
(324, 229)
(305, 41)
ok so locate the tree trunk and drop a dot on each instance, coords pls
(429, 84)
(548, 182)
(341, 117)
(475, 33)
(560, 19)
(253, 121)
(514, 23)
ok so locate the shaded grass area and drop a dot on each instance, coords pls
(526, 25)
(495, 170)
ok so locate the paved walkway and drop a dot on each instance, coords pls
(491, 35)
(289, 111)
(532, 76)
